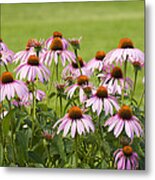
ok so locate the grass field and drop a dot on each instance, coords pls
(101, 24)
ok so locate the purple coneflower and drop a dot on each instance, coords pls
(114, 80)
(26, 100)
(39, 95)
(19, 102)
(9, 87)
(33, 47)
(125, 51)
(126, 159)
(3, 46)
(32, 69)
(83, 85)
(138, 65)
(96, 62)
(75, 43)
(57, 50)
(48, 136)
(76, 120)
(6, 57)
(101, 100)
(57, 34)
(73, 69)
(124, 118)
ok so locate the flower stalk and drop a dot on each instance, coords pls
(4, 65)
(141, 99)
(76, 150)
(125, 71)
(12, 133)
(78, 63)
(135, 82)
(33, 111)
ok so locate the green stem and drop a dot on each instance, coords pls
(57, 70)
(60, 98)
(134, 85)
(141, 99)
(4, 65)
(50, 84)
(33, 111)
(12, 133)
(52, 75)
(37, 52)
(56, 102)
(78, 63)
(76, 150)
(125, 70)
(57, 78)
(1, 135)
(48, 155)
(100, 126)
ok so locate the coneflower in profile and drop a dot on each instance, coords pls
(124, 119)
(82, 84)
(57, 34)
(57, 49)
(27, 99)
(6, 57)
(114, 80)
(75, 69)
(33, 69)
(33, 47)
(125, 51)
(101, 100)
(126, 159)
(77, 121)
(10, 88)
(3, 46)
(97, 62)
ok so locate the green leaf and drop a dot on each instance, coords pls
(58, 147)
(52, 94)
(6, 122)
(74, 161)
(40, 148)
(9, 154)
(106, 148)
(1, 154)
(21, 146)
(104, 164)
(34, 157)
(42, 106)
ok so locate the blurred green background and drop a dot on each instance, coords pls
(101, 25)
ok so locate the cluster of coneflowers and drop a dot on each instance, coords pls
(106, 96)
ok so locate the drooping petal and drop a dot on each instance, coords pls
(73, 129)
(67, 127)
